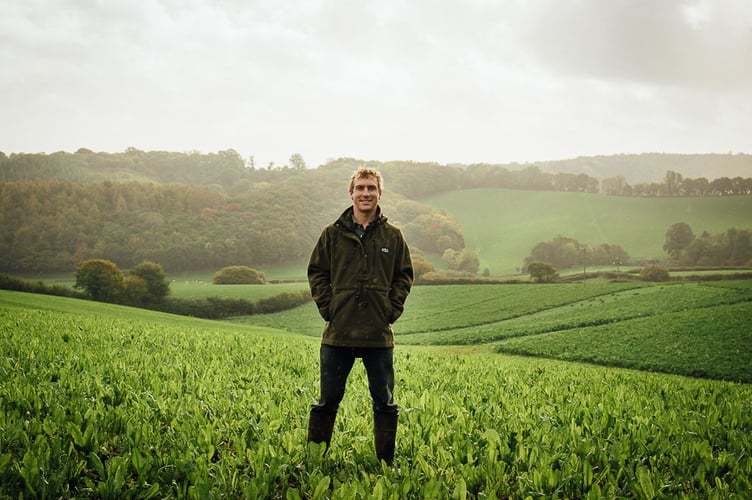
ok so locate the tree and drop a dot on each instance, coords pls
(614, 186)
(157, 285)
(421, 265)
(135, 290)
(542, 272)
(562, 252)
(100, 278)
(465, 260)
(678, 237)
(297, 162)
(673, 183)
(740, 243)
(468, 261)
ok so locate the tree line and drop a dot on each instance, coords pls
(567, 253)
(731, 248)
(228, 172)
(675, 185)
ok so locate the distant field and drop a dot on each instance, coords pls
(502, 225)
(105, 401)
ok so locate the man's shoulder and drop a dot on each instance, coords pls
(391, 229)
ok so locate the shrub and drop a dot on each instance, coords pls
(654, 273)
(238, 275)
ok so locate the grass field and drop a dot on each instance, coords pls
(502, 226)
(101, 400)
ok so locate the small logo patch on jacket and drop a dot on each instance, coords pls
(384, 250)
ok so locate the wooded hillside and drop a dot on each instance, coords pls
(193, 211)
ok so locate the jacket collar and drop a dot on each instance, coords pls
(346, 219)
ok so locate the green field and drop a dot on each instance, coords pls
(502, 226)
(101, 401)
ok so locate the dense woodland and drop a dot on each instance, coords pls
(193, 211)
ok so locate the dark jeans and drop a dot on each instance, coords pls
(336, 363)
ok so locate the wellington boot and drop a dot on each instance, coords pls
(320, 427)
(384, 436)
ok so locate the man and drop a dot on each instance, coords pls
(360, 274)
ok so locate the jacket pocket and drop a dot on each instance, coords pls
(380, 305)
(342, 306)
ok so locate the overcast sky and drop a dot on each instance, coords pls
(443, 80)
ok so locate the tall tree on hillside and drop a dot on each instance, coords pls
(678, 237)
(673, 183)
(297, 162)
(615, 186)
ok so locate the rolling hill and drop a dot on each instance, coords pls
(503, 225)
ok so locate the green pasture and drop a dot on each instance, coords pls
(502, 225)
(100, 400)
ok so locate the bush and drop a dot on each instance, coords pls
(654, 273)
(238, 275)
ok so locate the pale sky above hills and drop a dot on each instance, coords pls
(445, 81)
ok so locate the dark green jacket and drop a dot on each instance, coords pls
(360, 284)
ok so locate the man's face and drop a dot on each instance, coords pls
(365, 194)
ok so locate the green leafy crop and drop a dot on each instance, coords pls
(105, 401)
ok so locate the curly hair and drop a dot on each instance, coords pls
(363, 172)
